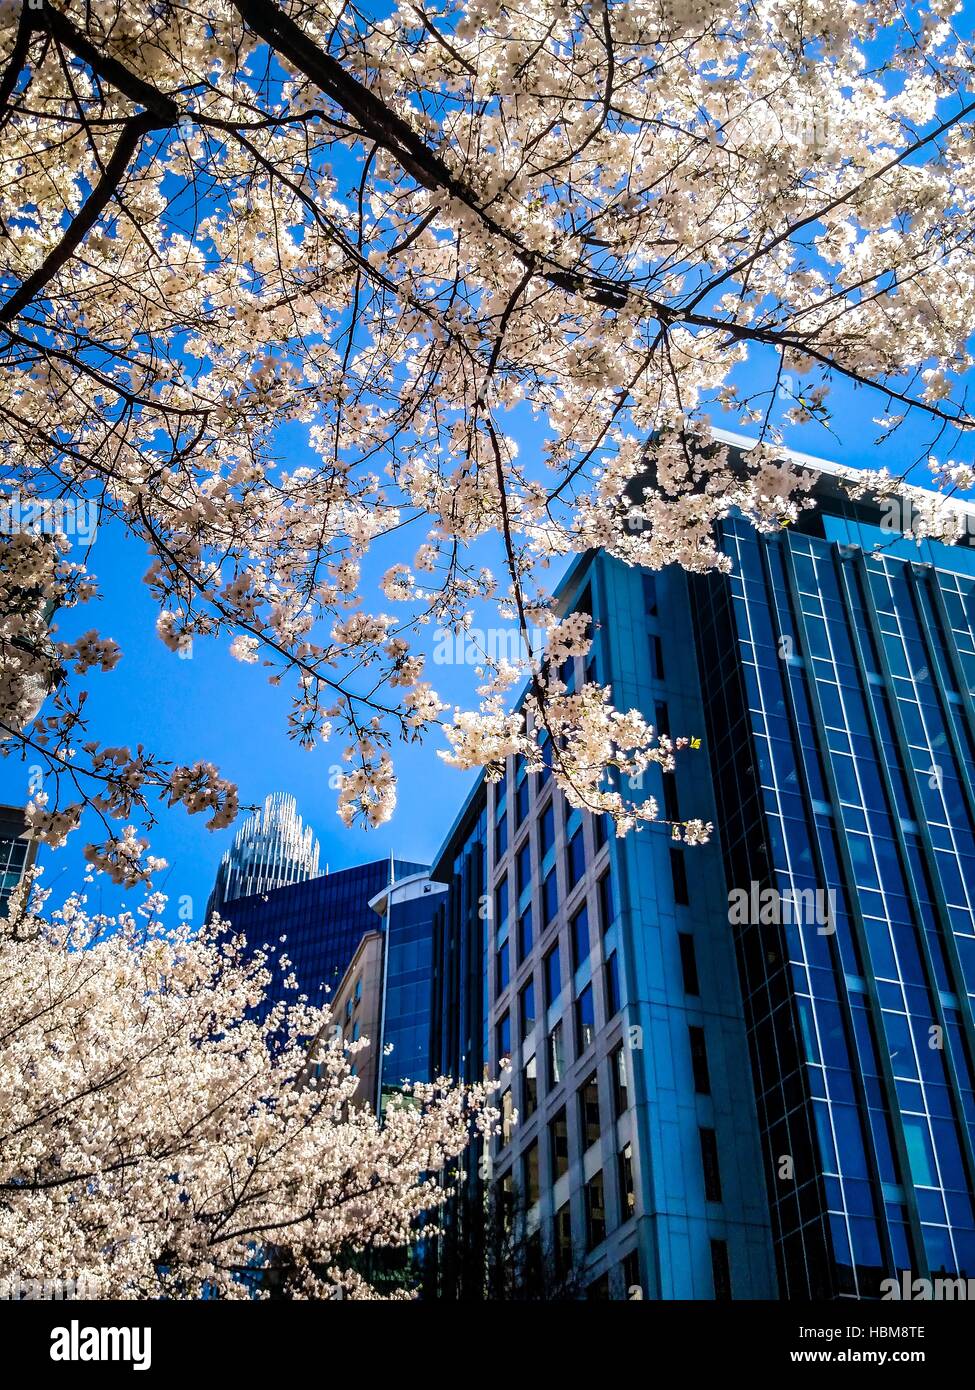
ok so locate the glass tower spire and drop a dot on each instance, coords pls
(271, 849)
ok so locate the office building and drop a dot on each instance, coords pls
(739, 1070)
(841, 734)
(384, 995)
(605, 970)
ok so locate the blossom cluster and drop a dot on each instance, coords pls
(165, 1136)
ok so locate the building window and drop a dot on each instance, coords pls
(688, 963)
(556, 1055)
(507, 1214)
(576, 858)
(507, 1117)
(553, 976)
(607, 907)
(579, 931)
(525, 934)
(348, 1009)
(699, 1061)
(631, 1275)
(595, 1212)
(550, 898)
(627, 1190)
(358, 989)
(558, 1133)
(563, 1242)
(530, 1087)
(671, 803)
(649, 593)
(600, 831)
(530, 1162)
(524, 867)
(709, 1162)
(503, 962)
(527, 1007)
(501, 904)
(678, 874)
(721, 1270)
(501, 834)
(621, 1101)
(585, 1020)
(589, 1111)
(531, 1280)
(356, 1031)
(547, 828)
(504, 1036)
(545, 748)
(656, 658)
(522, 800)
(612, 986)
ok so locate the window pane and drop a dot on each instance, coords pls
(678, 873)
(595, 1211)
(576, 857)
(532, 1185)
(688, 963)
(547, 828)
(530, 1087)
(559, 1144)
(720, 1270)
(556, 1056)
(620, 1094)
(504, 966)
(524, 867)
(580, 937)
(627, 1190)
(612, 986)
(553, 976)
(607, 907)
(589, 1111)
(550, 898)
(585, 1020)
(527, 1007)
(709, 1161)
(699, 1061)
(525, 933)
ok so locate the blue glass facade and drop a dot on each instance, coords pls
(322, 919)
(406, 1042)
(841, 733)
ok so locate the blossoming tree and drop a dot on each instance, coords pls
(154, 1139)
(401, 233)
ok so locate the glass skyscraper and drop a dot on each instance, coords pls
(840, 726)
(741, 1070)
(322, 920)
(271, 849)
